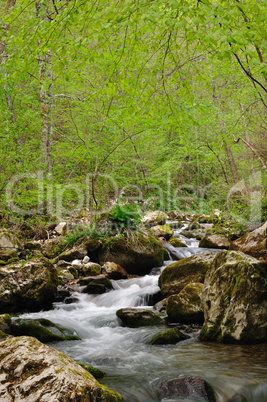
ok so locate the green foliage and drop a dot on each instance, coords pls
(125, 216)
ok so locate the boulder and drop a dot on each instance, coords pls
(137, 253)
(5, 323)
(176, 242)
(190, 387)
(8, 242)
(61, 228)
(179, 274)
(31, 371)
(254, 243)
(234, 299)
(7, 255)
(76, 253)
(96, 284)
(91, 269)
(154, 218)
(32, 286)
(114, 271)
(195, 225)
(175, 215)
(161, 230)
(169, 337)
(186, 306)
(137, 317)
(52, 247)
(93, 370)
(215, 241)
(42, 329)
(176, 225)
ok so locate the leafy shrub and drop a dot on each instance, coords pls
(125, 216)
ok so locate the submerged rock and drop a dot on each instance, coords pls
(191, 387)
(186, 306)
(169, 337)
(31, 371)
(234, 299)
(32, 286)
(42, 329)
(179, 274)
(136, 317)
(215, 241)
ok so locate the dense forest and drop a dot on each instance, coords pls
(163, 102)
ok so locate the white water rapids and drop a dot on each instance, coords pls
(133, 367)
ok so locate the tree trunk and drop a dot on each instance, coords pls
(46, 105)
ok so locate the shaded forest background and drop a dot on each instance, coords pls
(163, 99)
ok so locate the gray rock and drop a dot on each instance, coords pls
(114, 271)
(161, 230)
(254, 243)
(31, 372)
(32, 286)
(61, 228)
(186, 306)
(154, 218)
(234, 299)
(215, 241)
(136, 317)
(179, 274)
(187, 387)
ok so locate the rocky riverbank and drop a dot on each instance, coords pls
(223, 292)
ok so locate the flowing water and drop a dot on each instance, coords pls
(133, 367)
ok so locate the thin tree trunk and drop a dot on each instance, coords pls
(46, 105)
(252, 150)
(227, 149)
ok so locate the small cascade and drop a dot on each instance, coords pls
(133, 367)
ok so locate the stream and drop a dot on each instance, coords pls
(132, 366)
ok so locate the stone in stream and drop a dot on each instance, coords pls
(31, 371)
(42, 329)
(114, 271)
(161, 230)
(191, 387)
(234, 298)
(215, 241)
(169, 337)
(137, 317)
(32, 286)
(96, 284)
(174, 253)
(186, 307)
(176, 242)
(179, 274)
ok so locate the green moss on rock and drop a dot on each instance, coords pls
(169, 337)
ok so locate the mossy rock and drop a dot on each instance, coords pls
(186, 306)
(53, 247)
(179, 274)
(28, 286)
(136, 252)
(135, 317)
(42, 329)
(169, 337)
(96, 284)
(56, 376)
(234, 298)
(161, 231)
(195, 225)
(91, 269)
(97, 373)
(176, 242)
(153, 218)
(6, 255)
(29, 245)
(77, 252)
(176, 225)
(5, 323)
